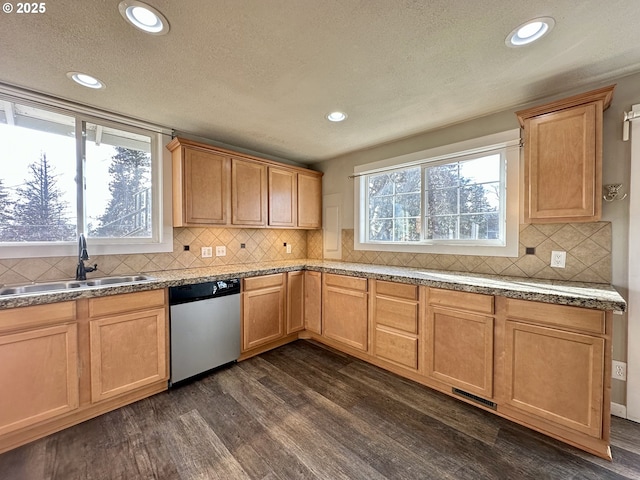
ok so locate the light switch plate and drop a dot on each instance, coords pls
(558, 259)
(207, 252)
(288, 248)
(221, 251)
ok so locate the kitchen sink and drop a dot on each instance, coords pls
(73, 284)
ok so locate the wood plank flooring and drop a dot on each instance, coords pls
(306, 412)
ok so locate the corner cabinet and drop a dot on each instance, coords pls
(217, 187)
(563, 158)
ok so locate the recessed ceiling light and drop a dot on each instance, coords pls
(86, 80)
(336, 116)
(530, 31)
(144, 17)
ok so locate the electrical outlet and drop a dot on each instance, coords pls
(221, 251)
(558, 259)
(288, 248)
(619, 370)
(207, 252)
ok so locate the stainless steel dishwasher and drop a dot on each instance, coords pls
(205, 327)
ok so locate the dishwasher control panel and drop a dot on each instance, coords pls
(204, 290)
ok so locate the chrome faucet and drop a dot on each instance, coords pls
(81, 271)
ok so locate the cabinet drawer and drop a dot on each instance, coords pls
(39, 315)
(475, 302)
(400, 290)
(397, 348)
(563, 316)
(396, 313)
(256, 283)
(343, 281)
(103, 306)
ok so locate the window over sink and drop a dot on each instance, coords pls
(70, 170)
(458, 199)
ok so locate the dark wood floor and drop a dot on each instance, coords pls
(303, 411)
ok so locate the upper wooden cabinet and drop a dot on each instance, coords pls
(201, 186)
(283, 197)
(309, 201)
(217, 187)
(563, 158)
(248, 193)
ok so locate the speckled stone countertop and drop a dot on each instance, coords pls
(588, 295)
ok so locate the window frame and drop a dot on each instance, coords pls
(507, 143)
(161, 196)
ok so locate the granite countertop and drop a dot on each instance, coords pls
(588, 295)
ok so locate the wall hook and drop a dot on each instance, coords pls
(612, 192)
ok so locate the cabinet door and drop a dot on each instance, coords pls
(563, 165)
(295, 302)
(39, 375)
(345, 316)
(313, 301)
(206, 180)
(460, 350)
(283, 203)
(309, 201)
(248, 192)
(127, 352)
(555, 375)
(263, 316)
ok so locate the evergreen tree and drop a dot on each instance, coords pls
(451, 198)
(127, 213)
(6, 215)
(40, 212)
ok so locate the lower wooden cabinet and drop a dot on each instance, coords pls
(295, 301)
(67, 362)
(39, 374)
(345, 310)
(395, 313)
(313, 301)
(263, 310)
(459, 350)
(127, 352)
(555, 367)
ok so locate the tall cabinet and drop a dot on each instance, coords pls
(563, 158)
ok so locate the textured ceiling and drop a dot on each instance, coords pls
(262, 74)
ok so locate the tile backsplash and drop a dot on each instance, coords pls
(260, 245)
(588, 247)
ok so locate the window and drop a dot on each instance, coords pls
(449, 200)
(66, 173)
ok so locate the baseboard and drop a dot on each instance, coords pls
(618, 410)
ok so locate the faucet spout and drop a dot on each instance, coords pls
(82, 269)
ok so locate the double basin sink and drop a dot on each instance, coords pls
(74, 285)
